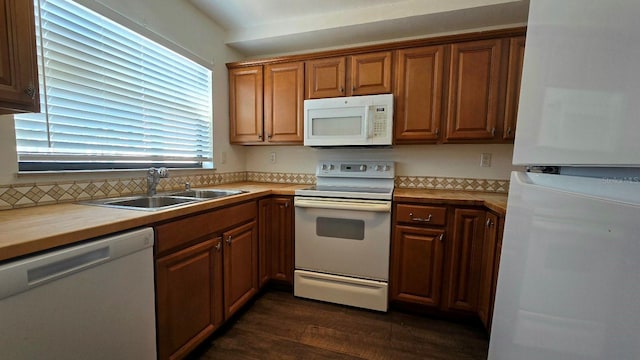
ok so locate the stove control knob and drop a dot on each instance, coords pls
(363, 167)
(324, 167)
(332, 167)
(387, 168)
(379, 168)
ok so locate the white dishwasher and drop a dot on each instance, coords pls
(90, 301)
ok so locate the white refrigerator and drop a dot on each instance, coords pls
(569, 277)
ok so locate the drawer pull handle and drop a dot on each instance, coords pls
(427, 219)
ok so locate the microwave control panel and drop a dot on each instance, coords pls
(379, 120)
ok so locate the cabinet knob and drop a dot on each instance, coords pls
(489, 223)
(441, 237)
(269, 136)
(229, 240)
(219, 246)
(353, 88)
(341, 89)
(509, 131)
(493, 132)
(259, 136)
(437, 131)
(30, 91)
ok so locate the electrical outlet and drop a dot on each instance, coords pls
(485, 160)
(273, 157)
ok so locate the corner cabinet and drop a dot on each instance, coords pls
(206, 269)
(368, 74)
(18, 60)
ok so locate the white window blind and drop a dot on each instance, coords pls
(111, 96)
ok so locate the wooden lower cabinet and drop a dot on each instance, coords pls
(189, 297)
(486, 270)
(240, 266)
(276, 240)
(416, 271)
(444, 259)
(206, 269)
(464, 260)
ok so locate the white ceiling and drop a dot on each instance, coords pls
(261, 27)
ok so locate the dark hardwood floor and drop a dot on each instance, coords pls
(280, 326)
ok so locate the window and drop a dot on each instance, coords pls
(111, 98)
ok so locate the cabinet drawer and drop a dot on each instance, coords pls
(418, 214)
(180, 232)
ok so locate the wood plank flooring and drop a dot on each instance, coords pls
(280, 326)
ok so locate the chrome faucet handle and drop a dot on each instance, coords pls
(163, 172)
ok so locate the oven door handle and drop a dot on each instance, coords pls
(344, 205)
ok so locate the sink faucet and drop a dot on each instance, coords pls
(153, 177)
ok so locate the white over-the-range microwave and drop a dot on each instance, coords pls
(349, 121)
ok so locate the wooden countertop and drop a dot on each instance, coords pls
(493, 201)
(30, 230)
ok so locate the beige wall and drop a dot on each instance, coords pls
(169, 22)
(166, 21)
(448, 160)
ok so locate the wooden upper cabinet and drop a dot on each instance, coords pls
(514, 77)
(474, 82)
(283, 102)
(326, 78)
(418, 92)
(245, 105)
(368, 74)
(18, 60)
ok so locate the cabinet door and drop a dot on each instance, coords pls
(418, 91)
(370, 74)
(464, 260)
(240, 266)
(265, 224)
(18, 64)
(486, 270)
(516, 58)
(283, 102)
(282, 240)
(474, 82)
(189, 297)
(245, 105)
(325, 77)
(416, 265)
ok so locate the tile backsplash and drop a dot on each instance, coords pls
(45, 193)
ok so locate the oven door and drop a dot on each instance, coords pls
(343, 237)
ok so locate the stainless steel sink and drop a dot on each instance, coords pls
(207, 194)
(148, 203)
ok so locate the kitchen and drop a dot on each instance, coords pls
(448, 166)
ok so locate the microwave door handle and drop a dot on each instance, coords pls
(368, 129)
